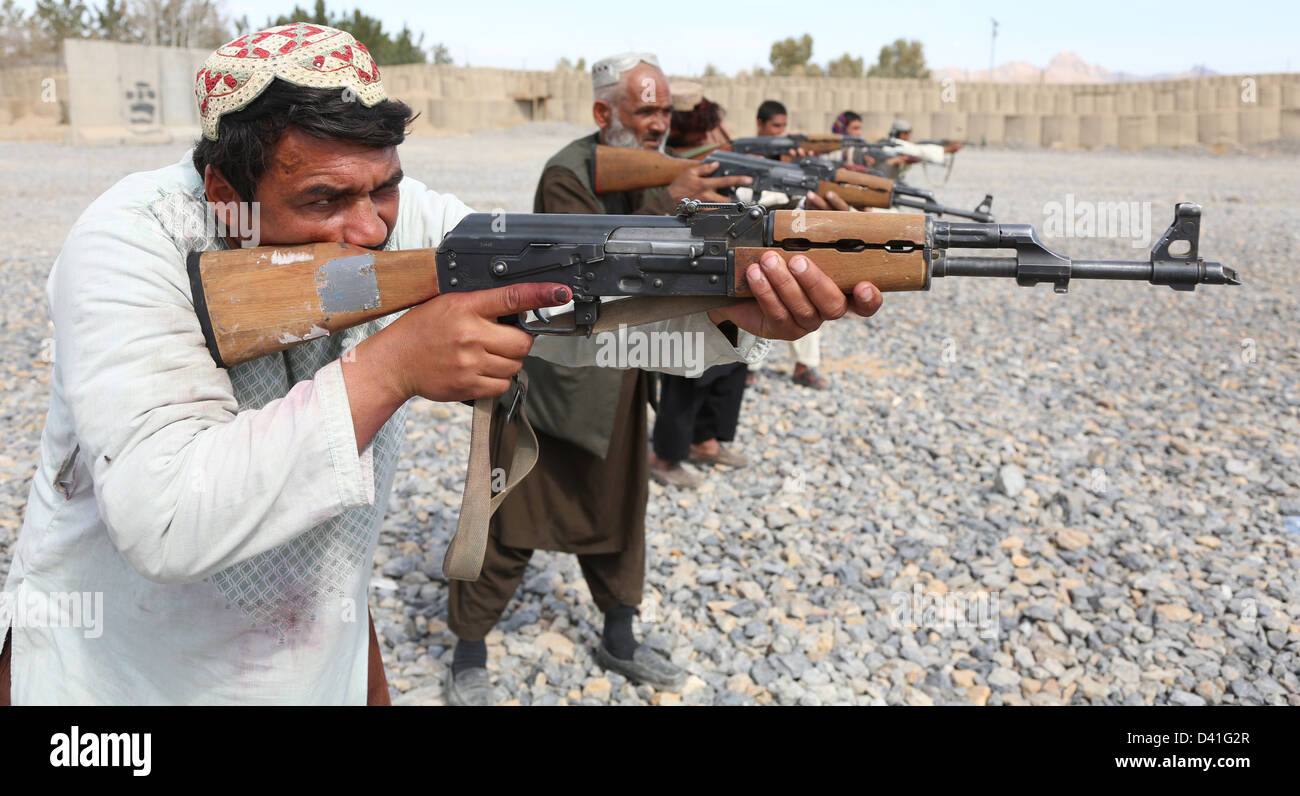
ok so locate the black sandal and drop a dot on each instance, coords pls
(811, 378)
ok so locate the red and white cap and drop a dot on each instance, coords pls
(300, 53)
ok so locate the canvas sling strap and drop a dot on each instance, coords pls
(479, 501)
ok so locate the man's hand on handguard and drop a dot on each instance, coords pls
(694, 183)
(791, 300)
(450, 348)
(832, 201)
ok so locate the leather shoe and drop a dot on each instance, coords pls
(646, 666)
(676, 475)
(471, 688)
(724, 456)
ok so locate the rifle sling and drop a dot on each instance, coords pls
(464, 559)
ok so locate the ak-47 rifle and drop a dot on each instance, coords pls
(776, 146)
(904, 195)
(626, 169)
(256, 301)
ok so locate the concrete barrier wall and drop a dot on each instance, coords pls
(125, 93)
(1221, 110)
(33, 95)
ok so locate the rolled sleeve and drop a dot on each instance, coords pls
(354, 473)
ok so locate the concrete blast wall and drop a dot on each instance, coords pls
(122, 93)
(125, 93)
(1242, 109)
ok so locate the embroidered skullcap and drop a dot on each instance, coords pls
(300, 53)
(686, 95)
(899, 126)
(606, 72)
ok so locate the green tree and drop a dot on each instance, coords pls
(791, 56)
(441, 55)
(845, 66)
(111, 22)
(711, 71)
(900, 59)
(63, 19)
(387, 49)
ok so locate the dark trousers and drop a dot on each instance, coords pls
(573, 501)
(474, 607)
(698, 410)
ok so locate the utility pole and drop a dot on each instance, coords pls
(993, 43)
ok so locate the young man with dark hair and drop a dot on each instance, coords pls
(847, 123)
(772, 118)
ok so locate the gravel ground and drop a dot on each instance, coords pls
(1009, 496)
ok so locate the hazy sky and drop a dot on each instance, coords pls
(1139, 36)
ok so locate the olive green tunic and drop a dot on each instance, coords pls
(587, 495)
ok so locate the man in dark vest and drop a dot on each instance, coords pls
(587, 495)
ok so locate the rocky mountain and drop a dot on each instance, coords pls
(1065, 67)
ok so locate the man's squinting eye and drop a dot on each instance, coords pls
(384, 191)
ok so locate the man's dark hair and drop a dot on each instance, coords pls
(245, 138)
(770, 109)
(705, 116)
(842, 122)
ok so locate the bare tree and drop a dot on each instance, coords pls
(19, 33)
(180, 23)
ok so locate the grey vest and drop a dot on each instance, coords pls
(576, 404)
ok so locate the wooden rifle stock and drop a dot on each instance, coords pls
(253, 302)
(822, 143)
(627, 169)
(793, 231)
(859, 190)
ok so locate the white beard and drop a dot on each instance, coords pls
(618, 135)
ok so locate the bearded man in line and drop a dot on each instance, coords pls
(229, 517)
(588, 494)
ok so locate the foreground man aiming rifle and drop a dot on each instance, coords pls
(229, 516)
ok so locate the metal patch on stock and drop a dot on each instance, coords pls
(348, 284)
